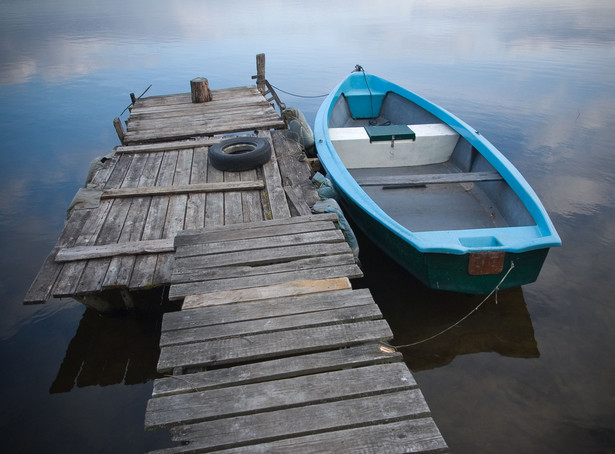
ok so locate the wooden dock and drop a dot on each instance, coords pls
(273, 350)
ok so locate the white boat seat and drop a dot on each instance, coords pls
(434, 143)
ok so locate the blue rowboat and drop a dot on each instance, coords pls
(429, 190)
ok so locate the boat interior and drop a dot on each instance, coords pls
(417, 169)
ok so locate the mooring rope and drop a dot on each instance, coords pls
(296, 95)
(495, 290)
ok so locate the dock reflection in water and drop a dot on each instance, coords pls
(416, 313)
(111, 349)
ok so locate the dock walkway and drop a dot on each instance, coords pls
(273, 350)
(287, 358)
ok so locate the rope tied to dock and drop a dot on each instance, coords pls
(298, 96)
(495, 290)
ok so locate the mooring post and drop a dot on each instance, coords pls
(199, 87)
(119, 129)
(260, 73)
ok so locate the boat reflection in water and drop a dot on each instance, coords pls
(416, 313)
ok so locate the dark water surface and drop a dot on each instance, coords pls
(532, 373)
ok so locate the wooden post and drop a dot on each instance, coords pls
(260, 72)
(119, 129)
(199, 87)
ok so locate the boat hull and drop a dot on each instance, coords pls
(443, 271)
(448, 206)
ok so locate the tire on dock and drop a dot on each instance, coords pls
(240, 153)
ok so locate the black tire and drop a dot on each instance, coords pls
(240, 153)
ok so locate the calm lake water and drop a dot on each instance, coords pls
(532, 373)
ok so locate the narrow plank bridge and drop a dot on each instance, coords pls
(273, 350)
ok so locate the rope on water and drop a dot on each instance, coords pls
(495, 290)
(298, 96)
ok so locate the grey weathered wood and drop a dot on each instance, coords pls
(294, 366)
(284, 393)
(120, 268)
(436, 178)
(260, 72)
(260, 326)
(183, 189)
(412, 435)
(182, 274)
(165, 146)
(275, 195)
(40, 289)
(305, 420)
(145, 265)
(195, 205)
(293, 168)
(107, 250)
(283, 226)
(283, 343)
(262, 257)
(181, 290)
(254, 242)
(273, 307)
(119, 129)
(251, 200)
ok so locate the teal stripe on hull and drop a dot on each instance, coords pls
(446, 271)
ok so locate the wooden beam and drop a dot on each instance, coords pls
(272, 291)
(183, 189)
(71, 254)
(435, 178)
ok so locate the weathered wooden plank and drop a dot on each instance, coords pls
(252, 230)
(439, 178)
(195, 206)
(40, 289)
(275, 195)
(145, 265)
(282, 343)
(185, 274)
(251, 200)
(297, 202)
(220, 98)
(93, 276)
(294, 168)
(70, 275)
(307, 420)
(120, 269)
(176, 215)
(272, 324)
(262, 258)
(214, 203)
(279, 394)
(294, 366)
(119, 172)
(233, 209)
(189, 236)
(272, 307)
(183, 189)
(165, 146)
(192, 288)
(411, 435)
(205, 116)
(69, 254)
(186, 98)
(250, 123)
(254, 244)
(296, 288)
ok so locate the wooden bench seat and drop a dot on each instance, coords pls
(434, 178)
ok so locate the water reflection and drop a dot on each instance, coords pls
(109, 350)
(416, 313)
